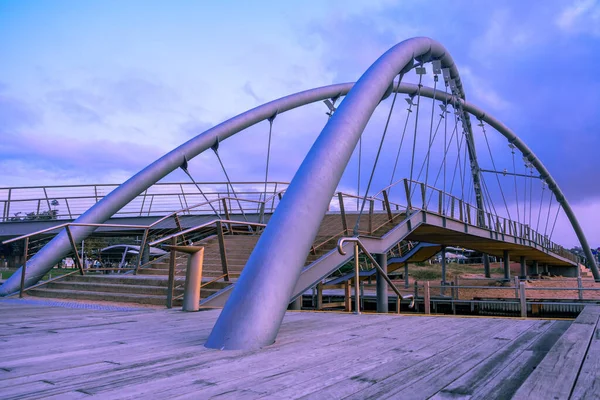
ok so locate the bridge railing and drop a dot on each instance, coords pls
(420, 196)
(68, 202)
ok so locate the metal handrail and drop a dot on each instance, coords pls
(526, 232)
(156, 184)
(89, 194)
(69, 224)
(204, 225)
(358, 245)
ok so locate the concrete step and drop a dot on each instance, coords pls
(120, 279)
(111, 287)
(98, 296)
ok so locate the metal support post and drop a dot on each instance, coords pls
(523, 275)
(427, 297)
(348, 296)
(523, 299)
(193, 276)
(356, 280)
(320, 296)
(486, 265)
(25, 250)
(406, 275)
(580, 287)
(171, 279)
(343, 213)
(506, 261)
(443, 289)
(222, 250)
(382, 290)
(296, 304)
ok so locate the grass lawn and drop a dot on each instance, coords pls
(5, 274)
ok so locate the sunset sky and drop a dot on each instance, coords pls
(93, 91)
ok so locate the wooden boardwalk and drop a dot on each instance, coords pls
(64, 353)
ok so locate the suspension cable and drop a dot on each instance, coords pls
(358, 176)
(444, 114)
(387, 124)
(449, 144)
(215, 148)
(525, 199)
(412, 162)
(435, 81)
(409, 109)
(530, 191)
(537, 226)
(512, 148)
(184, 168)
(457, 164)
(271, 119)
(555, 218)
(548, 216)
(494, 165)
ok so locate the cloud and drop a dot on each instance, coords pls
(582, 16)
(16, 114)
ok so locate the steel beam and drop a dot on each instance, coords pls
(506, 261)
(381, 284)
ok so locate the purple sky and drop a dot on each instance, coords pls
(93, 91)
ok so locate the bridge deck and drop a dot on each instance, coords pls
(74, 353)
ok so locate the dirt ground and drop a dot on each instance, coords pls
(494, 287)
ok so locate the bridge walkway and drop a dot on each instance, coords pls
(129, 353)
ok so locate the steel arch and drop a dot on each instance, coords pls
(60, 246)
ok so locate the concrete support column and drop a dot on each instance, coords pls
(443, 269)
(506, 259)
(296, 304)
(382, 289)
(486, 265)
(536, 269)
(546, 272)
(406, 275)
(523, 274)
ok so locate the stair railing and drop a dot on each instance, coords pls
(80, 267)
(358, 248)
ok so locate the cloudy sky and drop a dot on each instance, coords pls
(93, 91)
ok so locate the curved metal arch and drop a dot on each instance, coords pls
(423, 49)
(60, 246)
(256, 307)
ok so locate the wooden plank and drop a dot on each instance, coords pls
(359, 384)
(226, 376)
(490, 375)
(588, 381)
(555, 376)
(507, 382)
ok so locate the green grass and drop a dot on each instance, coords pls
(5, 274)
(432, 272)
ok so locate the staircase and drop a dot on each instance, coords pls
(149, 286)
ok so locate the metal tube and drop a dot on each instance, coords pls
(506, 261)
(486, 265)
(381, 284)
(25, 249)
(523, 275)
(356, 280)
(193, 277)
(54, 251)
(443, 260)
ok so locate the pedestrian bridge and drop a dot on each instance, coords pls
(445, 188)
